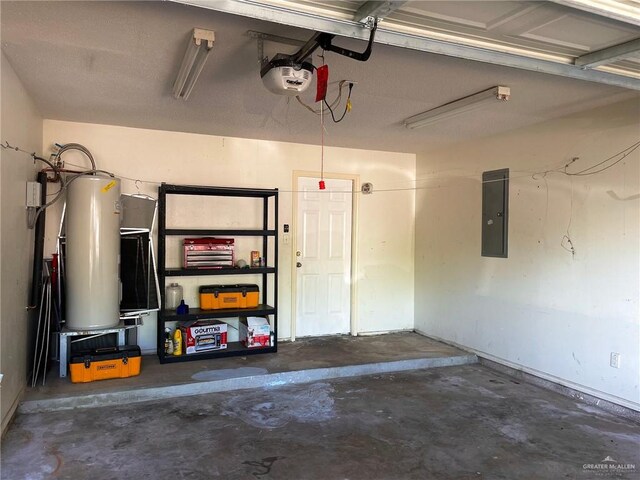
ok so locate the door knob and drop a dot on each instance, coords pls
(298, 264)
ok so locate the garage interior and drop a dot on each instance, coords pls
(446, 249)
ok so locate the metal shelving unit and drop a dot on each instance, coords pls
(164, 316)
(185, 272)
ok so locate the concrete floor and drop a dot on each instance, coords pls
(463, 422)
(302, 361)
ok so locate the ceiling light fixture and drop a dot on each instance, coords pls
(200, 44)
(458, 107)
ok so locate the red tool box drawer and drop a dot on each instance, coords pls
(208, 252)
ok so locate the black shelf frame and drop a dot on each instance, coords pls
(201, 272)
(198, 314)
(206, 232)
(234, 349)
(164, 316)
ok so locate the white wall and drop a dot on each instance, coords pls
(21, 125)
(556, 315)
(386, 219)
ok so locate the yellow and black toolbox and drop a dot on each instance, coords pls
(105, 363)
(243, 295)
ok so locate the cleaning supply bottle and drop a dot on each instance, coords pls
(168, 341)
(177, 342)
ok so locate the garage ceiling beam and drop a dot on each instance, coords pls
(287, 15)
(609, 55)
(377, 9)
(616, 10)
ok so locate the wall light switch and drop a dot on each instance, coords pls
(615, 360)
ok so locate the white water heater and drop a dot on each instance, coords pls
(92, 229)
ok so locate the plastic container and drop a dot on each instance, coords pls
(177, 342)
(105, 363)
(173, 297)
(242, 295)
(183, 308)
(168, 341)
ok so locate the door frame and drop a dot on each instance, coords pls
(353, 288)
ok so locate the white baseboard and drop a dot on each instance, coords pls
(383, 332)
(545, 376)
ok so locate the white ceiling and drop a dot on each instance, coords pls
(115, 62)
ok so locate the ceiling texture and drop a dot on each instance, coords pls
(115, 63)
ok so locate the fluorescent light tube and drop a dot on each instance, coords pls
(458, 107)
(198, 48)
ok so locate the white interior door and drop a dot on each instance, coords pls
(323, 256)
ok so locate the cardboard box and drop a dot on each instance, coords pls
(204, 336)
(255, 332)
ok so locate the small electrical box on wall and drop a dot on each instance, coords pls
(34, 190)
(495, 213)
